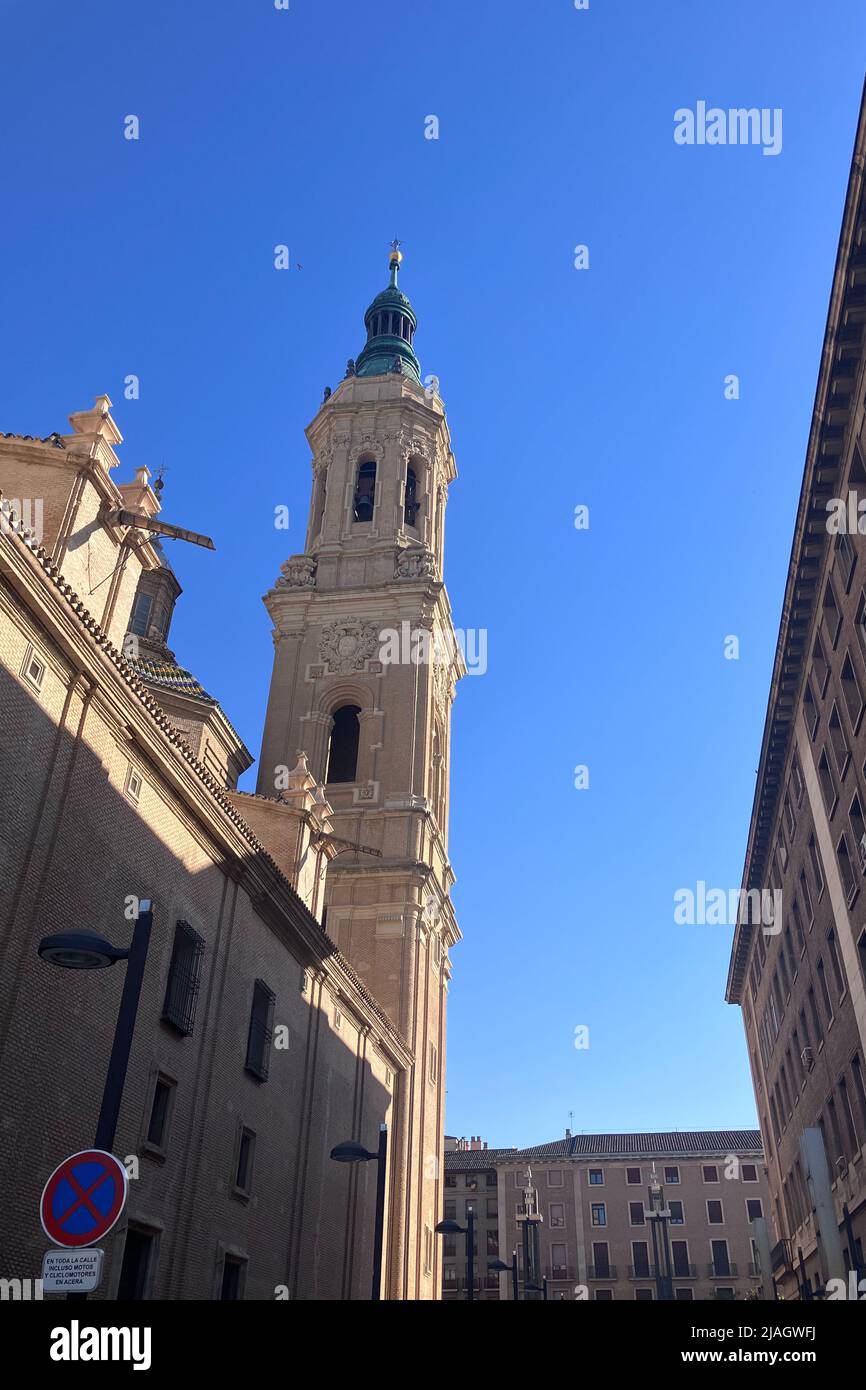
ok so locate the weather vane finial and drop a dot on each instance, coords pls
(395, 258)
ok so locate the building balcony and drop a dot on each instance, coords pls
(559, 1272)
(606, 1272)
(642, 1271)
(684, 1272)
(722, 1271)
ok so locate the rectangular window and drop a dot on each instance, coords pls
(644, 1295)
(790, 819)
(710, 1172)
(492, 1209)
(815, 1016)
(754, 1208)
(721, 1262)
(449, 1209)
(715, 1215)
(838, 972)
(680, 1258)
(838, 742)
(640, 1259)
(817, 868)
(810, 710)
(636, 1214)
(852, 692)
(858, 830)
(828, 783)
(260, 1030)
(846, 868)
(677, 1214)
(598, 1214)
(140, 614)
(604, 1295)
(232, 1281)
(798, 925)
(832, 616)
(556, 1212)
(845, 559)
(596, 1177)
(138, 1251)
(601, 1259)
(683, 1295)
(807, 899)
(820, 668)
(157, 1128)
(244, 1165)
(672, 1174)
(859, 1089)
(632, 1176)
(558, 1261)
(860, 621)
(184, 973)
(825, 993)
(797, 780)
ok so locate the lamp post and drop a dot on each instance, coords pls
(453, 1228)
(85, 950)
(500, 1267)
(351, 1152)
(658, 1218)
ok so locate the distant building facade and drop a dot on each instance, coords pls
(801, 979)
(590, 1195)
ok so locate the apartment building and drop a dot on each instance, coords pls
(800, 978)
(589, 1195)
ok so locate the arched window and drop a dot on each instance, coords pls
(365, 492)
(343, 751)
(411, 503)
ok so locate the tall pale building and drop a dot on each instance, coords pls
(365, 668)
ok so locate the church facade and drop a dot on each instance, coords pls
(295, 988)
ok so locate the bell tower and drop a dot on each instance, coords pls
(365, 669)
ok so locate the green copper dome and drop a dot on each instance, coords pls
(390, 322)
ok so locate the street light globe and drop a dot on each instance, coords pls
(350, 1152)
(79, 950)
(449, 1228)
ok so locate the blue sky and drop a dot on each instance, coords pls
(602, 387)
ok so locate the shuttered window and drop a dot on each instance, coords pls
(184, 974)
(261, 1030)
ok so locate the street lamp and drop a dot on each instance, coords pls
(658, 1219)
(352, 1152)
(453, 1228)
(84, 950)
(500, 1267)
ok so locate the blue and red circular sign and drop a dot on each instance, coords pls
(83, 1198)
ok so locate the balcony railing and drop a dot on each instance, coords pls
(642, 1271)
(683, 1271)
(559, 1272)
(601, 1272)
(722, 1269)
